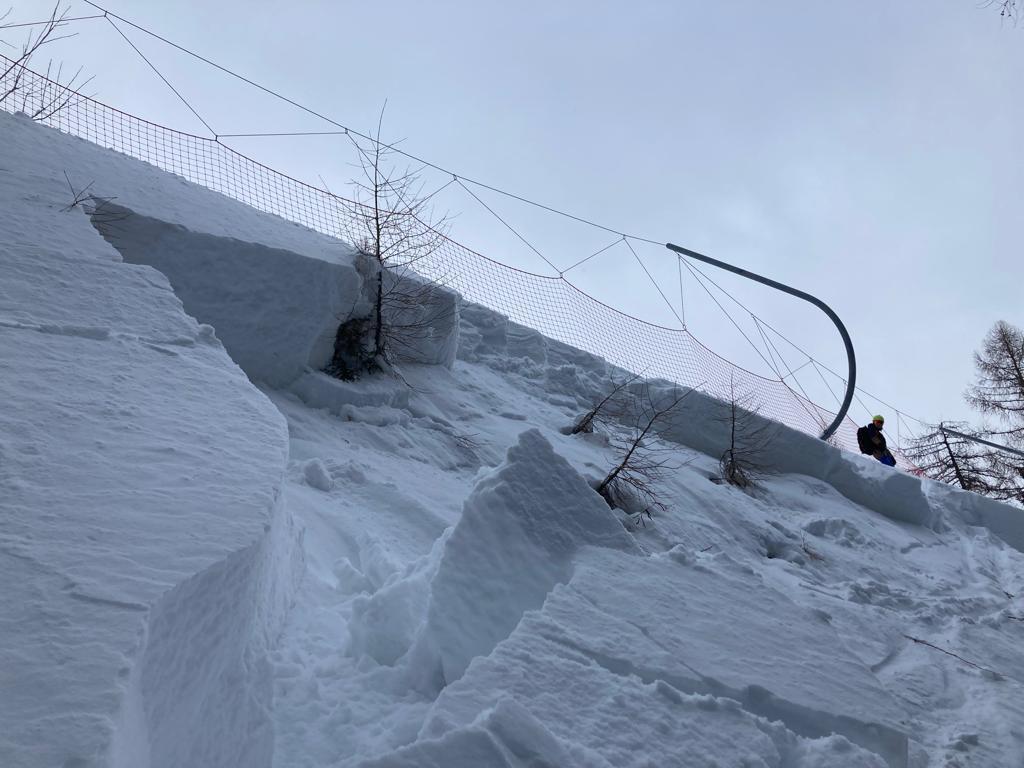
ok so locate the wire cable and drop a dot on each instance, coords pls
(596, 253)
(799, 348)
(160, 75)
(726, 313)
(655, 284)
(391, 147)
(50, 21)
(682, 303)
(510, 227)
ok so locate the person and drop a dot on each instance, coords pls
(872, 441)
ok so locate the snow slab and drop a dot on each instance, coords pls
(146, 552)
(515, 540)
(276, 311)
(719, 632)
(427, 316)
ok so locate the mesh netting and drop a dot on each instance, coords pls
(551, 305)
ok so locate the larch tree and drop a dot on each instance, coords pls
(986, 459)
(395, 228)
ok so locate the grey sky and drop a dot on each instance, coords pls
(868, 152)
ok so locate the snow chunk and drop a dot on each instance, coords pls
(318, 390)
(276, 311)
(146, 554)
(507, 736)
(617, 717)
(428, 313)
(515, 540)
(702, 651)
(317, 476)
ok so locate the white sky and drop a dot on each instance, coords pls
(865, 151)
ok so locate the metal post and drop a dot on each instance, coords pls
(851, 381)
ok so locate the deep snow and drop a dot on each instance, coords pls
(417, 572)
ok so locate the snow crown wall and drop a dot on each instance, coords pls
(140, 474)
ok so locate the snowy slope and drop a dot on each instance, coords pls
(465, 599)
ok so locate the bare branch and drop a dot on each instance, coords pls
(630, 483)
(742, 462)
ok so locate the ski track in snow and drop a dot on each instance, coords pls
(457, 595)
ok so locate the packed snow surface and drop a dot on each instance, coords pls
(209, 565)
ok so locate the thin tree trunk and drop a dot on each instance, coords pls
(952, 459)
(379, 312)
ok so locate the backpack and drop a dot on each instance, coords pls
(864, 441)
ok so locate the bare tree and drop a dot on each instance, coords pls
(40, 98)
(998, 391)
(396, 229)
(985, 459)
(743, 460)
(642, 462)
(609, 407)
(1010, 470)
(1008, 9)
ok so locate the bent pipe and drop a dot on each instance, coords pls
(851, 381)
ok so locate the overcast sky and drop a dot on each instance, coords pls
(868, 152)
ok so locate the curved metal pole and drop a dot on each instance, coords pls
(851, 381)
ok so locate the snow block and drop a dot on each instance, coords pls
(485, 336)
(385, 624)
(204, 685)
(518, 533)
(686, 659)
(425, 316)
(276, 311)
(151, 192)
(147, 555)
(1004, 520)
(507, 736)
(318, 390)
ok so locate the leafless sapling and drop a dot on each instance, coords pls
(643, 459)
(1008, 9)
(609, 407)
(396, 229)
(40, 98)
(748, 437)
